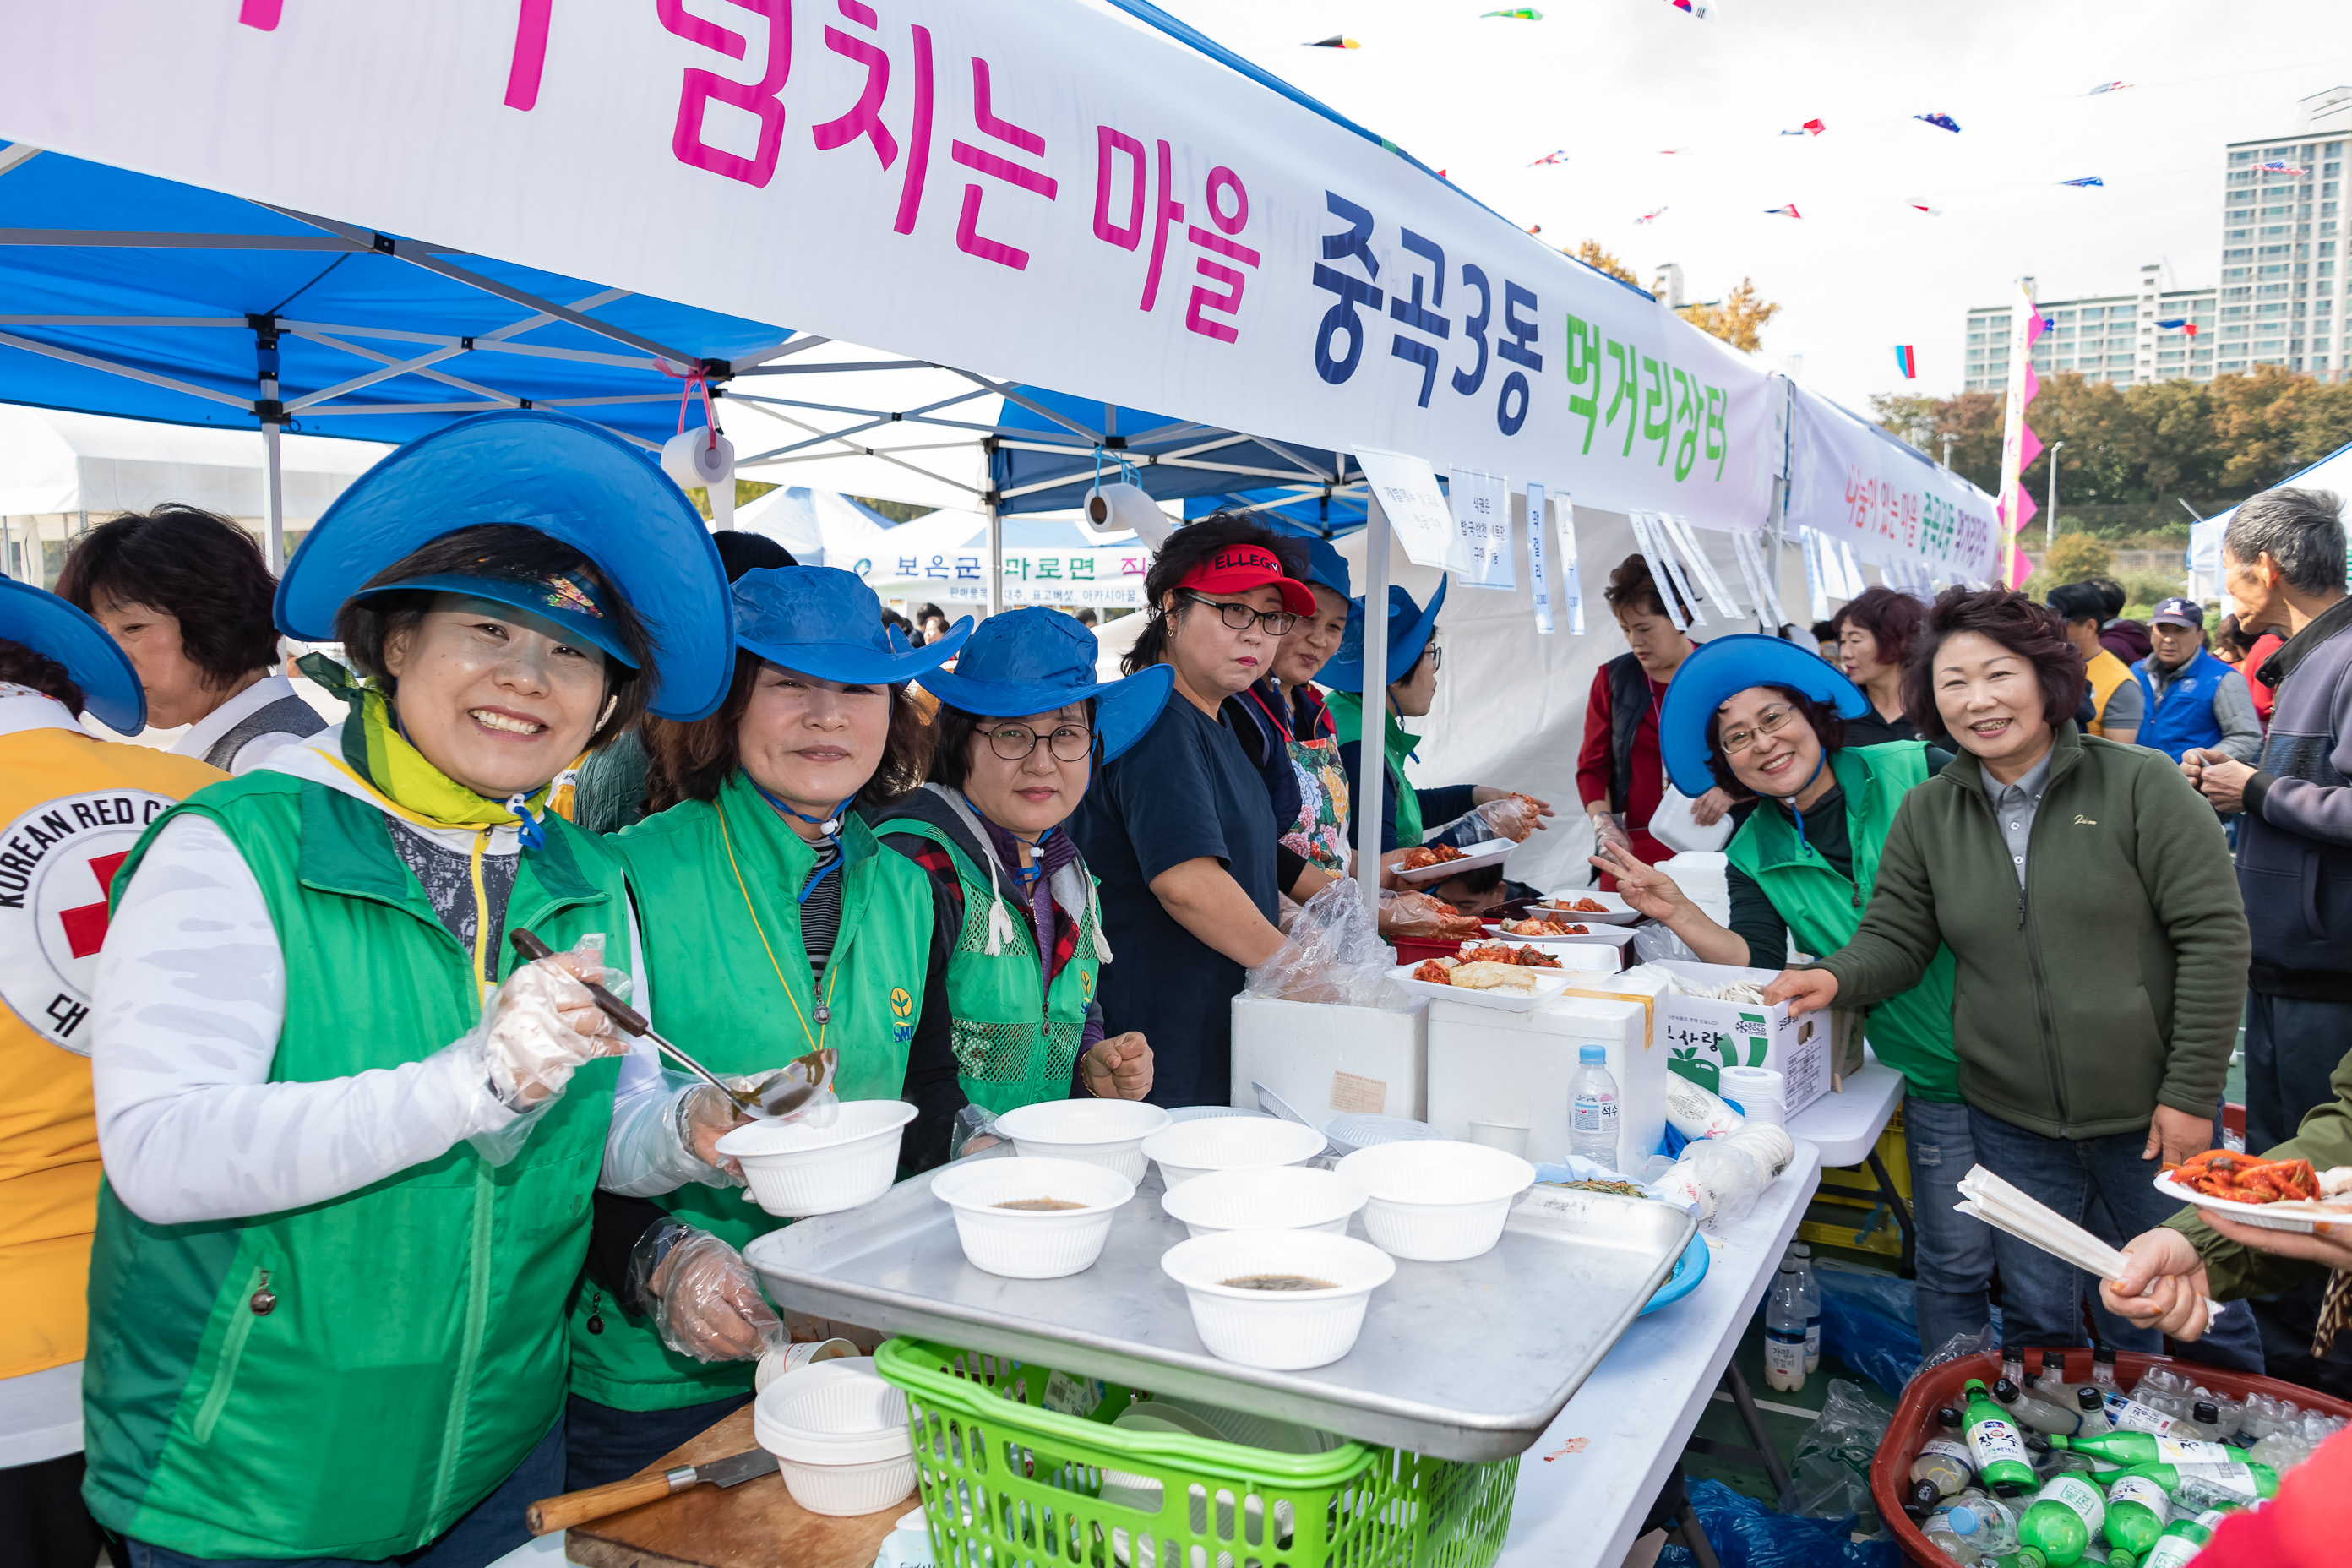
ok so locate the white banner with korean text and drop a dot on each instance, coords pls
(1043, 192)
(1860, 487)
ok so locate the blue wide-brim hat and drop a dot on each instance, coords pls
(1409, 629)
(823, 621)
(1730, 664)
(1036, 660)
(571, 481)
(1327, 567)
(57, 628)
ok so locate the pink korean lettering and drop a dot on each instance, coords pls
(1224, 183)
(863, 119)
(700, 88)
(969, 239)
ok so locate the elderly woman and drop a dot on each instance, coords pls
(1876, 634)
(1290, 733)
(349, 1140)
(1766, 721)
(1021, 723)
(774, 926)
(2099, 944)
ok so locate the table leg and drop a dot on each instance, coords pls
(1693, 1536)
(1762, 1454)
(1902, 1213)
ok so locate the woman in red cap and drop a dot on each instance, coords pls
(1181, 831)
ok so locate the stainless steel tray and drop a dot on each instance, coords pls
(1464, 1361)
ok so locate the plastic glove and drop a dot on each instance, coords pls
(1511, 816)
(1119, 1067)
(1426, 918)
(703, 1116)
(705, 1301)
(542, 1023)
(973, 1129)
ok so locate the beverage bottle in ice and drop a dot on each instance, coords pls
(1944, 1467)
(1592, 1104)
(1949, 1542)
(2132, 1415)
(1986, 1523)
(2013, 1365)
(1804, 1255)
(2195, 1487)
(2136, 1510)
(2204, 1422)
(1996, 1444)
(2053, 1368)
(2035, 1408)
(2129, 1447)
(2182, 1540)
(2103, 1367)
(1784, 1331)
(2059, 1522)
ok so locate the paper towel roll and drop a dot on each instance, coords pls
(1762, 1092)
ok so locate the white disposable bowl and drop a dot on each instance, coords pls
(839, 1435)
(1279, 1331)
(1107, 1133)
(1190, 1149)
(1436, 1202)
(1031, 1243)
(1281, 1198)
(797, 1171)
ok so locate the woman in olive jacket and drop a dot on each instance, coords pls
(2086, 893)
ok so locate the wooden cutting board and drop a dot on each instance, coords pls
(754, 1525)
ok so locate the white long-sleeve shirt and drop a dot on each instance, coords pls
(190, 1000)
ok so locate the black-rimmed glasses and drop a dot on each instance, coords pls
(1238, 618)
(1068, 742)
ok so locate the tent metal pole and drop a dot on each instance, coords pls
(995, 557)
(273, 485)
(1372, 803)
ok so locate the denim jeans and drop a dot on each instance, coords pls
(604, 1444)
(2041, 1298)
(2293, 1048)
(493, 1527)
(1954, 1252)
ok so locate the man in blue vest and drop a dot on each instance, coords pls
(2194, 700)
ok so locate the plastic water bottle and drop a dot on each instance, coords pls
(1804, 1257)
(1592, 1094)
(2103, 1367)
(1784, 1331)
(1944, 1467)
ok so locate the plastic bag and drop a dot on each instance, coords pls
(1421, 918)
(1870, 1322)
(1747, 1534)
(1831, 1475)
(1335, 956)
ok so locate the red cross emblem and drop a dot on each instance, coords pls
(86, 924)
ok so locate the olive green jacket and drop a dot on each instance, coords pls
(2110, 983)
(2235, 1270)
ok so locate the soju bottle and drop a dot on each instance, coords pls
(2136, 1510)
(2060, 1521)
(2239, 1483)
(1996, 1444)
(2182, 1540)
(2145, 1448)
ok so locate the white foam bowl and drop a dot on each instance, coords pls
(1281, 1198)
(1107, 1133)
(840, 1437)
(1436, 1202)
(1031, 1243)
(1281, 1331)
(797, 1171)
(1190, 1149)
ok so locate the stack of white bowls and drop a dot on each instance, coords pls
(840, 1437)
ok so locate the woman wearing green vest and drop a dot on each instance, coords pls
(1021, 721)
(349, 1140)
(1765, 720)
(773, 926)
(1412, 668)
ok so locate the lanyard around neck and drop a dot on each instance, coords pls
(828, 831)
(1025, 875)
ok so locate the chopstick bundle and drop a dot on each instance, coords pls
(2004, 1207)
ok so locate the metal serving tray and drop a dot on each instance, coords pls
(1463, 1361)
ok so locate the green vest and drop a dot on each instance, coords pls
(1014, 1047)
(714, 989)
(414, 1353)
(1911, 1032)
(1397, 744)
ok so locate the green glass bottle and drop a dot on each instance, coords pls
(1994, 1440)
(2136, 1508)
(2060, 1521)
(2145, 1448)
(2239, 1483)
(2182, 1540)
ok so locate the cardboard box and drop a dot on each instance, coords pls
(1702, 1036)
(1488, 1064)
(1325, 1059)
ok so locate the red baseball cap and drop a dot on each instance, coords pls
(1239, 567)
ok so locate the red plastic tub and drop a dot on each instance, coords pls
(1411, 950)
(1915, 1419)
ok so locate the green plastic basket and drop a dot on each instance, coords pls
(1021, 1467)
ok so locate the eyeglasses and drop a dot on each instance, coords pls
(1238, 618)
(1069, 744)
(1769, 722)
(1436, 658)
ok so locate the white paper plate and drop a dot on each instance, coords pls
(1550, 982)
(1618, 913)
(2301, 1217)
(1493, 852)
(1613, 936)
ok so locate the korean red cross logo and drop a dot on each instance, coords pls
(58, 861)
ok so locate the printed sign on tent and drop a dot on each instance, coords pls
(1480, 555)
(1816, 586)
(1571, 573)
(1538, 573)
(1408, 492)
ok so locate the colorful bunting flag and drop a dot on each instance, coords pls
(2278, 167)
(1672, 152)
(1941, 121)
(1923, 207)
(1653, 214)
(1788, 211)
(1906, 361)
(1524, 14)
(1695, 7)
(1335, 42)
(1810, 128)
(2106, 87)
(1561, 157)
(2179, 324)
(2086, 180)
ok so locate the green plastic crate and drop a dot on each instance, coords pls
(1008, 1482)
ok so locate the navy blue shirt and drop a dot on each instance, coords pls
(1186, 790)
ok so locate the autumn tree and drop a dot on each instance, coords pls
(1738, 318)
(1591, 253)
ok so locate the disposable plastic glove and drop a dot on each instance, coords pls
(705, 1300)
(542, 1023)
(1512, 817)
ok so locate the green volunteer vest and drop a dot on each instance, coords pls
(1014, 1047)
(1913, 1032)
(715, 992)
(1397, 744)
(415, 1352)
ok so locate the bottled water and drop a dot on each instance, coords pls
(1804, 1257)
(1784, 1331)
(1592, 1096)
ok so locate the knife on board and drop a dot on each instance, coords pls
(578, 1508)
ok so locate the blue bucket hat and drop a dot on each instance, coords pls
(57, 628)
(1730, 664)
(571, 481)
(1327, 567)
(825, 622)
(1035, 660)
(1409, 629)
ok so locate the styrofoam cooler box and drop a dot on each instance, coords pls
(1705, 1037)
(1326, 1060)
(1489, 1065)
